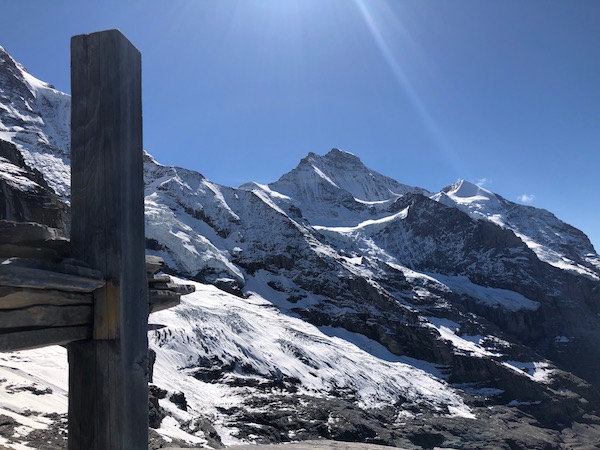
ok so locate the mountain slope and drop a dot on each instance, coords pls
(36, 118)
(25, 194)
(553, 241)
(335, 188)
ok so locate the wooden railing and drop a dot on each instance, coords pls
(46, 297)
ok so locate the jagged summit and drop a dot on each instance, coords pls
(466, 189)
(339, 170)
(14, 90)
(9, 65)
(475, 198)
(17, 84)
(335, 155)
(335, 189)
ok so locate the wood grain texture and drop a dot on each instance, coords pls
(108, 398)
(45, 316)
(37, 274)
(68, 266)
(15, 297)
(161, 299)
(19, 232)
(30, 251)
(154, 264)
(24, 340)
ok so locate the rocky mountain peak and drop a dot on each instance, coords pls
(335, 154)
(466, 193)
(341, 171)
(466, 189)
(337, 160)
(14, 90)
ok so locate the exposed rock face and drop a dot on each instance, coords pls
(36, 118)
(325, 189)
(553, 241)
(24, 193)
(345, 173)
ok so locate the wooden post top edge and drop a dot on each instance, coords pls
(115, 33)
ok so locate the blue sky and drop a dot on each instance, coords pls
(503, 92)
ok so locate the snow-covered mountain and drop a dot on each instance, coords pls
(552, 240)
(335, 188)
(334, 302)
(36, 118)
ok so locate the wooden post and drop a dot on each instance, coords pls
(108, 376)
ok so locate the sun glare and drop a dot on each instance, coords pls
(375, 26)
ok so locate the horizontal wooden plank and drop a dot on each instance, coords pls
(154, 264)
(46, 316)
(67, 266)
(159, 299)
(29, 251)
(159, 285)
(159, 279)
(17, 232)
(25, 277)
(181, 289)
(24, 340)
(16, 297)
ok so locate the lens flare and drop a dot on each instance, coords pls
(400, 74)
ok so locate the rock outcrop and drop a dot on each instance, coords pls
(24, 193)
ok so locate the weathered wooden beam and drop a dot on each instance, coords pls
(24, 340)
(18, 232)
(69, 266)
(108, 377)
(15, 298)
(39, 251)
(45, 316)
(38, 274)
(31, 240)
(162, 299)
(164, 293)
(18, 298)
(162, 279)
(154, 264)
(181, 289)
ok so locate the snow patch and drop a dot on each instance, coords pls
(535, 370)
(367, 223)
(448, 331)
(495, 297)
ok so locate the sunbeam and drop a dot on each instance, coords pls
(409, 89)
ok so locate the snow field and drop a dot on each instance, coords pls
(252, 333)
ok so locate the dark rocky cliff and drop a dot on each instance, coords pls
(24, 193)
